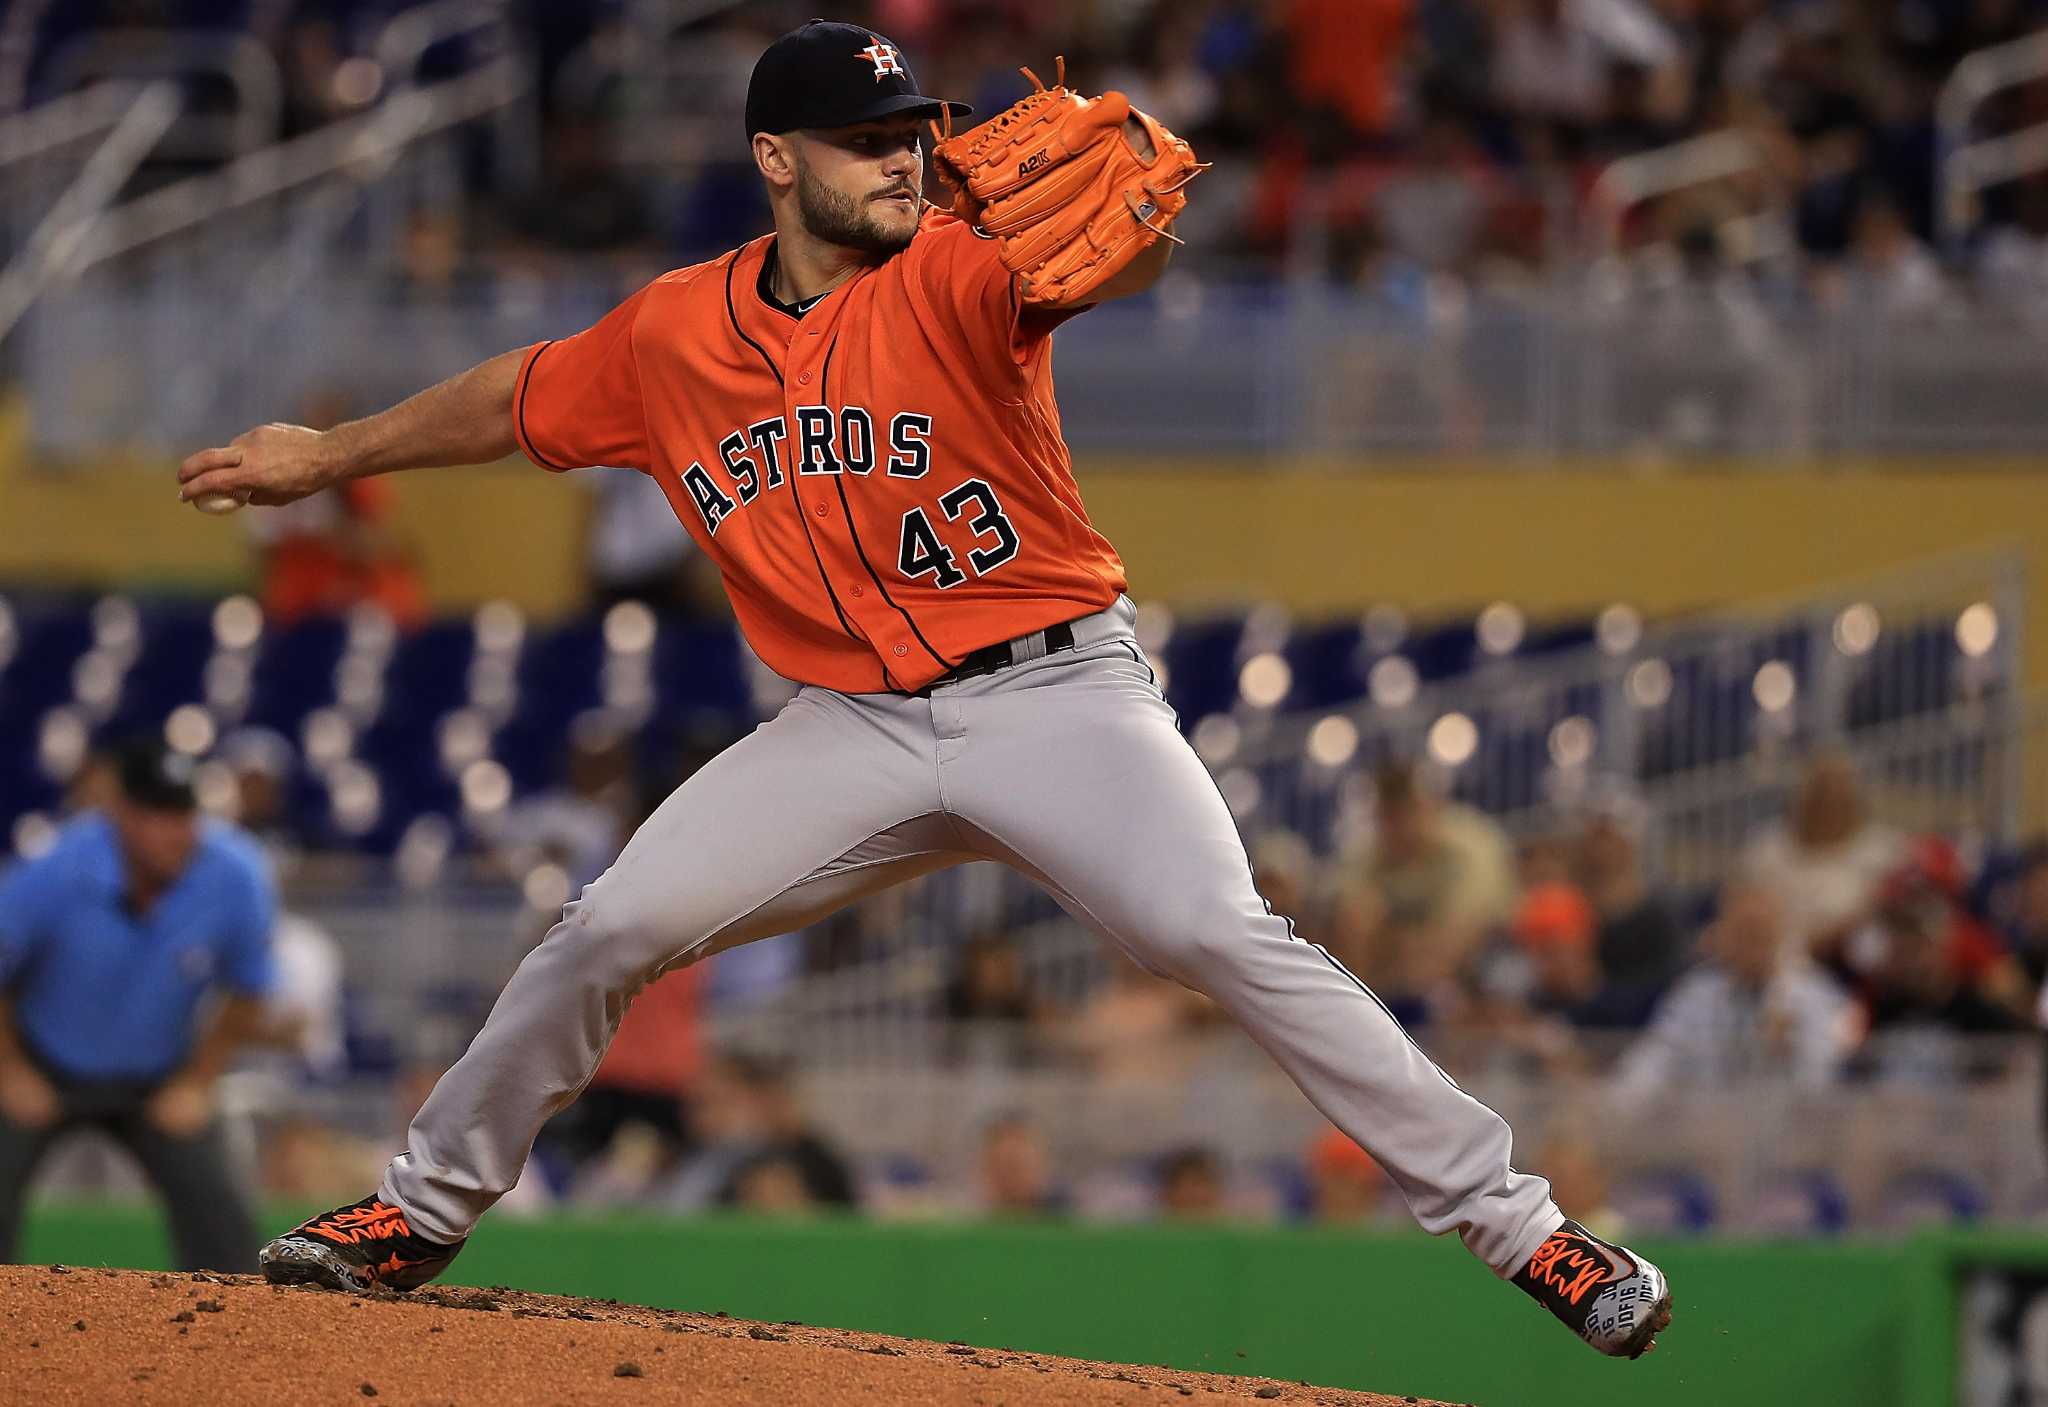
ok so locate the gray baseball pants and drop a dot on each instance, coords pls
(1070, 769)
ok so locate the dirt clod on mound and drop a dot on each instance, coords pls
(149, 1343)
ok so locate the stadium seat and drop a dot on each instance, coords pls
(1289, 1184)
(1202, 666)
(1667, 1200)
(700, 668)
(1564, 635)
(1798, 1202)
(1907, 673)
(51, 634)
(429, 672)
(1443, 651)
(1928, 1196)
(1329, 663)
(294, 673)
(169, 670)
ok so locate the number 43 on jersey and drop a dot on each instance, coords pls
(923, 553)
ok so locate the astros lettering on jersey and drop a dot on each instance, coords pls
(881, 481)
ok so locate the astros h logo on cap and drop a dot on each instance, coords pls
(883, 57)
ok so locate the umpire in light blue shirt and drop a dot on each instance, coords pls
(134, 956)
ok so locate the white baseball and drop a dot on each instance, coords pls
(218, 503)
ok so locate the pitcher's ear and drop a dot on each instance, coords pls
(773, 158)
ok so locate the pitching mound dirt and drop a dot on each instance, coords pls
(79, 1336)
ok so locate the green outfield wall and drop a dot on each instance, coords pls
(1862, 1324)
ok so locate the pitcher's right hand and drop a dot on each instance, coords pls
(271, 464)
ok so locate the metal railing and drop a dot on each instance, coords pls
(1712, 158)
(60, 122)
(43, 148)
(238, 60)
(1756, 1158)
(1914, 675)
(236, 249)
(53, 251)
(1709, 722)
(362, 150)
(1673, 371)
(1636, 355)
(1708, 717)
(1965, 167)
(1759, 1157)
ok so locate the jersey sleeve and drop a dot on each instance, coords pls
(982, 302)
(31, 892)
(577, 402)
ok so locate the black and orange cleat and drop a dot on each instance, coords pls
(1610, 1297)
(355, 1247)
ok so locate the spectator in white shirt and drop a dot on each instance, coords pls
(581, 824)
(1750, 1011)
(2013, 273)
(1893, 274)
(1827, 860)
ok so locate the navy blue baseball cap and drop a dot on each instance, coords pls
(155, 777)
(834, 75)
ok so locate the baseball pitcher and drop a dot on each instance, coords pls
(854, 417)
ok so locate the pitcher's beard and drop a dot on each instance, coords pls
(837, 218)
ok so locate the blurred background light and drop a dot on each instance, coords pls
(1571, 741)
(1265, 680)
(1774, 687)
(500, 627)
(1453, 739)
(1619, 629)
(1333, 741)
(1649, 684)
(1977, 629)
(1393, 682)
(237, 623)
(1856, 629)
(326, 737)
(486, 787)
(1500, 629)
(190, 729)
(629, 629)
(1215, 738)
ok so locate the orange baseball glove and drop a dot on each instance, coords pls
(1054, 182)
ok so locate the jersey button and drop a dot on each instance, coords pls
(901, 649)
(803, 378)
(823, 510)
(859, 591)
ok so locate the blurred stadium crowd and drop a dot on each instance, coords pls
(374, 748)
(1384, 143)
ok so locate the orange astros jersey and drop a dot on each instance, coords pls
(881, 481)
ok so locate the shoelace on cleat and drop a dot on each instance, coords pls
(1566, 1265)
(377, 1222)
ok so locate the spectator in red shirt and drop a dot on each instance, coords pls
(1346, 57)
(335, 550)
(1929, 973)
(1345, 1183)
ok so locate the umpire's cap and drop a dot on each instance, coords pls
(834, 75)
(155, 777)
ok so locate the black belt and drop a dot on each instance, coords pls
(1001, 655)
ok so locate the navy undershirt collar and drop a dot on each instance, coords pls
(765, 285)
